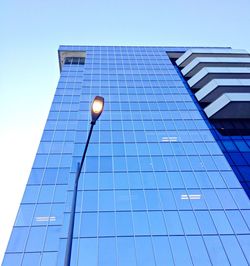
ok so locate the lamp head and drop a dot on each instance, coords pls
(96, 108)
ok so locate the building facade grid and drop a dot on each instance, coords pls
(156, 188)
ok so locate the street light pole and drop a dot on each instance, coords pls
(96, 110)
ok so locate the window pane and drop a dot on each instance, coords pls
(237, 222)
(140, 220)
(215, 250)
(144, 251)
(89, 201)
(205, 222)
(180, 250)
(126, 251)
(167, 200)
(25, 215)
(12, 259)
(88, 224)
(107, 251)
(122, 200)
(173, 223)
(49, 258)
(31, 259)
(106, 200)
(244, 241)
(18, 239)
(106, 224)
(36, 239)
(89, 251)
(31, 193)
(153, 199)
(234, 252)
(198, 251)
(162, 250)
(221, 222)
(138, 200)
(124, 224)
(157, 223)
(189, 223)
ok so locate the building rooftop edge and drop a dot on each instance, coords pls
(170, 48)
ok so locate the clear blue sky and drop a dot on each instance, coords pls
(32, 30)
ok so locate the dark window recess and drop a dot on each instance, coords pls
(232, 127)
(74, 60)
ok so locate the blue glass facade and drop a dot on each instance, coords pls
(236, 148)
(156, 188)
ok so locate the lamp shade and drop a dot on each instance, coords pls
(96, 108)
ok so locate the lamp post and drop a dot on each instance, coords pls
(96, 110)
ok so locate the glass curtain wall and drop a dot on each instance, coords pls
(156, 188)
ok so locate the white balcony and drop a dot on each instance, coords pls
(200, 62)
(191, 54)
(216, 87)
(230, 105)
(205, 75)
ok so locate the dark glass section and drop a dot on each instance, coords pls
(74, 60)
(235, 144)
(232, 127)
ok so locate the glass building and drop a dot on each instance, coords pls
(169, 159)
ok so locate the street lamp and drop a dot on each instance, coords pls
(96, 110)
